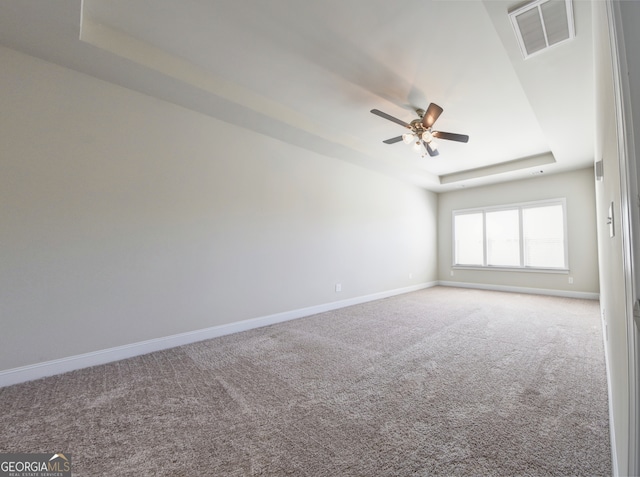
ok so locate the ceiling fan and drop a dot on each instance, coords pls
(421, 133)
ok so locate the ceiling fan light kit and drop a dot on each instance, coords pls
(420, 130)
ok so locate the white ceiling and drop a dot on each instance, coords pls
(309, 72)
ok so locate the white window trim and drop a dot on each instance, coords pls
(519, 206)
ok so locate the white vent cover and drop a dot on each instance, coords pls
(541, 24)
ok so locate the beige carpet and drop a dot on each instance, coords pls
(442, 381)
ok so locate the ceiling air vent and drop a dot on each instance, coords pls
(542, 24)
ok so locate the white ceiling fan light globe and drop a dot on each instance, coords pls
(427, 137)
(418, 146)
(407, 138)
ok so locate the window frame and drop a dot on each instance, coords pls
(520, 206)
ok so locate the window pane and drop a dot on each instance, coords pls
(503, 238)
(543, 229)
(468, 239)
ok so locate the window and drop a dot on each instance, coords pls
(530, 236)
(503, 238)
(469, 245)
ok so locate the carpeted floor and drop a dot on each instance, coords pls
(442, 381)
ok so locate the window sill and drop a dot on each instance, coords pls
(512, 269)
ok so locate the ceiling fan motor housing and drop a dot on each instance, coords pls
(416, 126)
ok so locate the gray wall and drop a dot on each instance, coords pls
(125, 218)
(578, 189)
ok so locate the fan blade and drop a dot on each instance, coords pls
(433, 112)
(432, 152)
(377, 112)
(393, 140)
(450, 136)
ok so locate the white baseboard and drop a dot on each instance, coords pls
(527, 290)
(72, 363)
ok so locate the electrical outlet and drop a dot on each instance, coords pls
(338, 287)
(571, 280)
(451, 272)
(410, 276)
